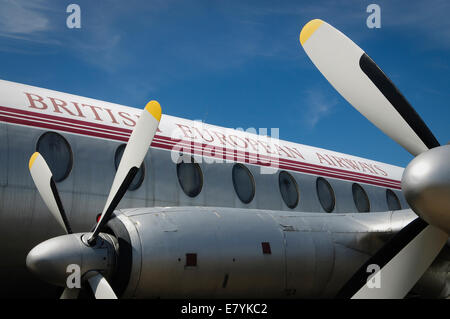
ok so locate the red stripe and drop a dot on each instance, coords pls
(288, 161)
(249, 156)
(302, 170)
(34, 118)
(245, 159)
(61, 128)
(103, 130)
(72, 121)
(111, 129)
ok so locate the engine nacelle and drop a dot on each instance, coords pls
(193, 252)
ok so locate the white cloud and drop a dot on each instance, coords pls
(19, 17)
(39, 27)
(318, 106)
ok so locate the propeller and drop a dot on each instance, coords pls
(94, 253)
(132, 158)
(43, 179)
(425, 181)
(362, 83)
(100, 287)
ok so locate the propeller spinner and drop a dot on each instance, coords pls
(95, 253)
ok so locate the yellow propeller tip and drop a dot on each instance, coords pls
(32, 159)
(309, 29)
(154, 109)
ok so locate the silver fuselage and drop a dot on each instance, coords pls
(25, 220)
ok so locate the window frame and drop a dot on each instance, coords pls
(68, 147)
(198, 169)
(116, 165)
(252, 179)
(333, 196)
(295, 187)
(388, 190)
(365, 195)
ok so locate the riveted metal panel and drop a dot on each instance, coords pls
(312, 254)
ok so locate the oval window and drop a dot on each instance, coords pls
(139, 177)
(288, 189)
(243, 183)
(326, 194)
(57, 153)
(360, 198)
(190, 177)
(392, 200)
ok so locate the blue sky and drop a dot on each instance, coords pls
(233, 63)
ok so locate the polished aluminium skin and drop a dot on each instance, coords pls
(312, 255)
(85, 191)
(159, 238)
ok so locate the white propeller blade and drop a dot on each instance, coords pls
(132, 158)
(70, 293)
(401, 262)
(359, 80)
(401, 273)
(42, 177)
(100, 287)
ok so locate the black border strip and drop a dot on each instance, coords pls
(398, 101)
(382, 257)
(60, 205)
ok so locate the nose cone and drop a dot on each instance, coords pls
(426, 186)
(49, 259)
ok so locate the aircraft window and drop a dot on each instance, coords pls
(325, 194)
(392, 200)
(190, 177)
(360, 198)
(57, 153)
(288, 189)
(139, 177)
(243, 183)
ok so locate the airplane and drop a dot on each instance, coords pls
(202, 211)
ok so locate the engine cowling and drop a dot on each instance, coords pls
(193, 252)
